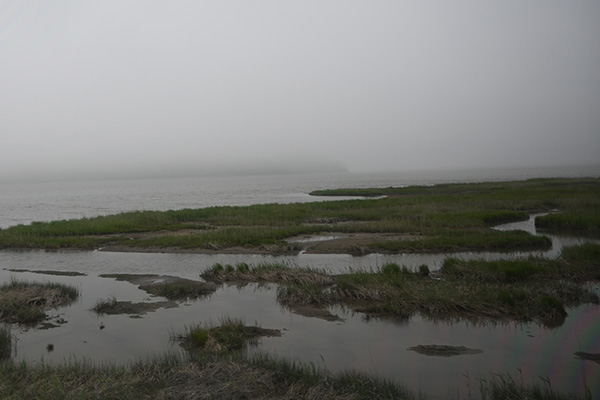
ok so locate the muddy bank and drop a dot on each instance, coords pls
(225, 250)
(440, 350)
(114, 307)
(170, 287)
(49, 272)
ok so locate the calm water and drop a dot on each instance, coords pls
(378, 347)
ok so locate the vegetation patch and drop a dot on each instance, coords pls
(26, 302)
(111, 307)
(476, 240)
(440, 350)
(170, 287)
(218, 376)
(525, 290)
(450, 217)
(231, 335)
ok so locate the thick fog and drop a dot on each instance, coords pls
(123, 87)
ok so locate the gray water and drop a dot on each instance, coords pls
(27, 202)
(527, 351)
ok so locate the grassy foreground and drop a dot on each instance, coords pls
(438, 218)
(220, 371)
(222, 377)
(215, 377)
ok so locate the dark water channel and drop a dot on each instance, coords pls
(378, 347)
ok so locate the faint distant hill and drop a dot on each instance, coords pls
(175, 170)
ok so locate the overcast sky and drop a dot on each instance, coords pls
(375, 85)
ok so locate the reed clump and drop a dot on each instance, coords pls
(230, 335)
(26, 302)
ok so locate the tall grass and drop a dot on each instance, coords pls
(504, 386)
(229, 335)
(215, 376)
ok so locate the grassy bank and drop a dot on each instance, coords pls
(576, 199)
(526, 290)
(437, 218)
(210, 377)
(223, 377)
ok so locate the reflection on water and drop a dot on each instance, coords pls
(373, 346)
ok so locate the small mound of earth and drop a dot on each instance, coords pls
(48, 272)
(588, 356)
(127, 307)
(443, 350)
(315, 312)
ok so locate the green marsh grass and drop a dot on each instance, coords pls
(274, 273)
(438, 218)
(223, 376)
(230, 335)
(487, 240)
(105, 306)
(524, 290)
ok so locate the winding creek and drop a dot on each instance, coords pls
(379, 347)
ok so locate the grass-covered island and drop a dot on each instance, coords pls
(441, 218)
(528, 290)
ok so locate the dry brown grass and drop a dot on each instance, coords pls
(243, 273)
(24, 302)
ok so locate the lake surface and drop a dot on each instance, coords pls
(527, 351)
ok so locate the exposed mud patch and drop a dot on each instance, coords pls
(315, 312)
(440, 350)
(114, 307)
(355, 243)
(588, 356)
